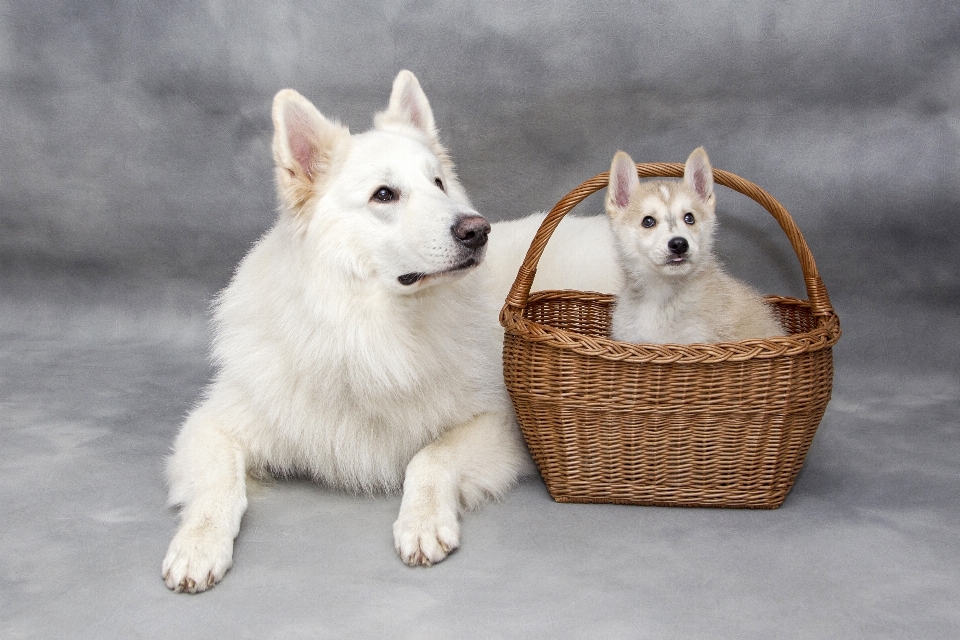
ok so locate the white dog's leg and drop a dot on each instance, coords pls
(463, 468)
(207, 475)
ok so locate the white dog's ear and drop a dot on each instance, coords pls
(623, 181)
(698, 174)
(408, 106)
(409, 109)
(305, 145)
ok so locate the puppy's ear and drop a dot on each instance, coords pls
(408, 107)
(698, 174)
(305, 145)
(623, 181)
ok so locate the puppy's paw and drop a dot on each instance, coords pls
(423, 538)
(196, 560)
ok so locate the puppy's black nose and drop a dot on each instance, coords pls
(678, 245)
(471, 231)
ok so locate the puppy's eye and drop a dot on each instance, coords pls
(688, 218)
(648, 222)
(439, 183)
(384, 194)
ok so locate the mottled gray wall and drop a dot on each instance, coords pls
(134, 137)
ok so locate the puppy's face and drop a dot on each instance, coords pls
(663, 228)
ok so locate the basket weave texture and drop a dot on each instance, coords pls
(720, 425)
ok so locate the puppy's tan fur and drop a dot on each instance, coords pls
(673, 296)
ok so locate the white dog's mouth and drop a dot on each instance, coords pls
(408, 279)
(674, 261)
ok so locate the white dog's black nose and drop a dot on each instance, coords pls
(678, 245)
(471, 231)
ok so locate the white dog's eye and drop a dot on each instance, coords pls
(384, 194)
(439, 183)
(688, 218)
(648, 222)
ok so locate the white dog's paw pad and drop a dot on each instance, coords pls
(425, 544)
(196, 561)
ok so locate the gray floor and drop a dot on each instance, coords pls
(97, 373)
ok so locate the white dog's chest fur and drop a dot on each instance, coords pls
(352, 410)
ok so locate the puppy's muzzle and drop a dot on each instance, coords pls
(678, 246)
(471, 231)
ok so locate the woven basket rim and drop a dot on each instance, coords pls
(822, 337)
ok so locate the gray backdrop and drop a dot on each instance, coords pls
(135, 171)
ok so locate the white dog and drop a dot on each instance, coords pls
(675, 290)
(358, 342)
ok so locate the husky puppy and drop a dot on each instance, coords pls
(675, 290)
(357, 343)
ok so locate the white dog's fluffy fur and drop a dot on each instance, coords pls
(675, 290)
(358, 342)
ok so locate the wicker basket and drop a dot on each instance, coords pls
(718, 425)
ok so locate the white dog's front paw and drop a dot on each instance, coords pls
(196, 560)
(424, 537)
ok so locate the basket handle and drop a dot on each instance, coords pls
(816, 291)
